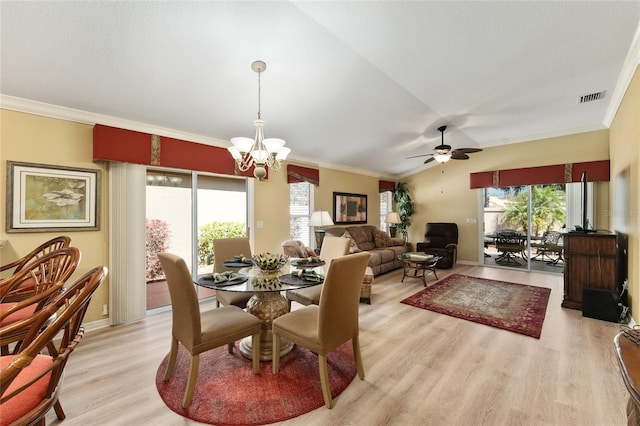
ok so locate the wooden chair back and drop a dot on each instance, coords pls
(39, 275)
(43, 249)
(30, 371)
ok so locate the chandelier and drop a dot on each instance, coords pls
(258, 152)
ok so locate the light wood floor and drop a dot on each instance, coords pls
(422, 368)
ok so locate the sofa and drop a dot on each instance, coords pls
(441, 239)
(384, 250)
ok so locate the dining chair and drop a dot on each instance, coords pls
(44, 248)
(332, 247)
(55, 266)
(322, 328)
(30, 289)
(226, 249)
(200, 332)
(30, 380)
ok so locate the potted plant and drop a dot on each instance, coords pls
(404, 207)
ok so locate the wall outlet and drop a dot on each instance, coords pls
(105, 309)
(259, 224)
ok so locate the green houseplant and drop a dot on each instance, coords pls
(404, 207)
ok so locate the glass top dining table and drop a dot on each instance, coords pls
(267, 303)
(256, 281)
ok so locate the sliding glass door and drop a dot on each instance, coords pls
(523, 226)
(185, 211)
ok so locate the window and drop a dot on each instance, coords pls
(300, 209)
(386, 206)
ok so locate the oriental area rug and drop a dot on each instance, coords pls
(510, 306)
(228, 393)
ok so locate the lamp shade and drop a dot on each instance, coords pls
(392, 217)
(320, 218)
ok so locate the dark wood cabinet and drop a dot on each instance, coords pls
(589, 262)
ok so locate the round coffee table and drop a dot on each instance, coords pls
(419, 265)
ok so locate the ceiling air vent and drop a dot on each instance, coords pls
(591, 97)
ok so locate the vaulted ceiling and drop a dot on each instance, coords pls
(356, 85)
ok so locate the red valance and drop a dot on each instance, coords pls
(597, 171)
(385, 185)
(128, 146)
(296, 174)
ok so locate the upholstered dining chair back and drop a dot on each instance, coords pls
(226, 249)
(332, 247)
(340, 300)
(202, 331)
(323, 328)
(44, 248)
(30, 380)
(185, 308)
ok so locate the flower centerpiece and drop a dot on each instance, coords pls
(268, 262)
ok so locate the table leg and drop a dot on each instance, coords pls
(266, 306)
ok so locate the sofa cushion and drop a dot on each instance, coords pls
(381, 239)
(363, 236)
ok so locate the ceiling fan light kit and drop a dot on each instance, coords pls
(443, 153)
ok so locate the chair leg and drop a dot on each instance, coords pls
(275, 361)
(255, 343)
(59, 411)
(191, 383)
(356, 354)
(173, 355)
(324, 381)
(230, 347)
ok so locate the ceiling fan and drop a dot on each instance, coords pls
(443, 153)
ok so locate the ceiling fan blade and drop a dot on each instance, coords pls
(467, 150)
(459, 156)
(416, 156)
(428, 160)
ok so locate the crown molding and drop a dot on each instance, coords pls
(624, 78)
(69, 114)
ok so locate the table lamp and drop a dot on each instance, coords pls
(392, 218)
(317, 220)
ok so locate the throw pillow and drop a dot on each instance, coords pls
(381, 238)
(354, 247)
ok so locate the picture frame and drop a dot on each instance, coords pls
(349, 209)
(46, 198)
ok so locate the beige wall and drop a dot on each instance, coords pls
(272, 203)
(441, 192)
(36, 139)
(625, 166)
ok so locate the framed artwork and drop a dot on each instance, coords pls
(349, 208)
(45, 198)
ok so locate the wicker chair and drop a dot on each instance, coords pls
(30, 381)
(44, 248)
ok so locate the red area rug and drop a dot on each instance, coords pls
(515, 307)
(228, 393)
